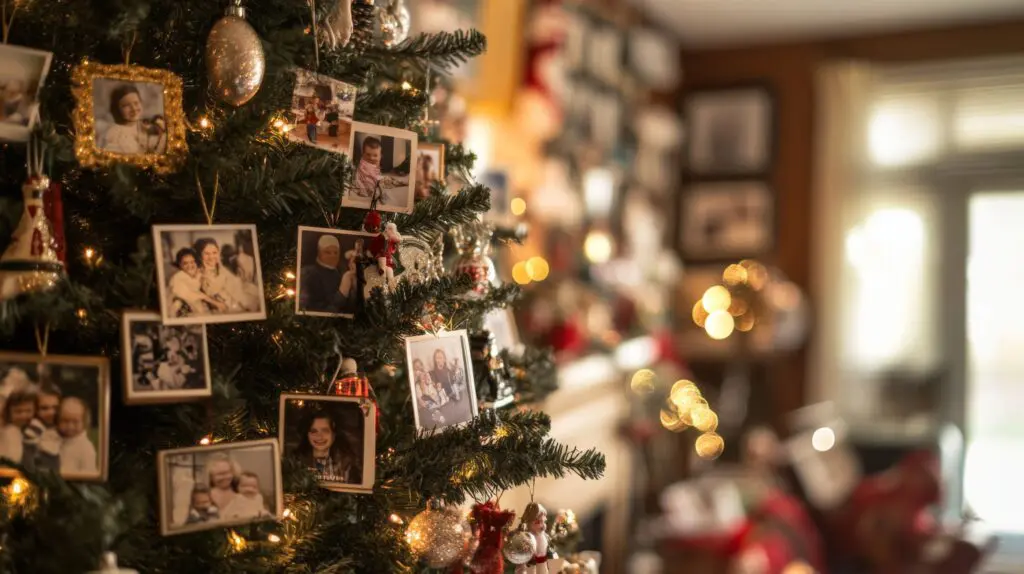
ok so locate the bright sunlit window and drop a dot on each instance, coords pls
(904, 131)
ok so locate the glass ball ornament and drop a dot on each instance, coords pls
(395, 22)
(642, 382)
(235, 62)
(709, 446)
(520, 547)
(439, 537)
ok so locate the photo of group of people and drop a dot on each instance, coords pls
(333, 437)
(385, 170)
(208, 274)
(321, 112)
(22, 74)
(163, 362)
(441, 378)
(54, 414)
(328, 282)
(220, 485)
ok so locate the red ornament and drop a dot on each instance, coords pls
(489, 523)
(372, 221)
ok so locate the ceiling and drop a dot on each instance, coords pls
(716, 23)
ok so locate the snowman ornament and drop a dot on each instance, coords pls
(535, 519)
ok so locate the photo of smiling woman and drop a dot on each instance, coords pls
(208, 274)
(333, 437)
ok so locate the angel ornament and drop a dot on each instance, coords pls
(535, 518)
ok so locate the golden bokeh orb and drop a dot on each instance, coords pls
(669, 418)
(699, 314)
(798, 567)
(518, 206)
(695, 404)
(520, 274)
(704, 419)
(537, 268)
(716, 298)
(643, 382)
(719, 325)
(709, 446)
(734, 275)
(683, 392)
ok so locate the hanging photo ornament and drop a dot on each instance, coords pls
(108, 565)
(235, 62)
(31, 263)
(473, 243)
(336, 30)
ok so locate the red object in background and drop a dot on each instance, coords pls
(566, 337)
(489, 522)
(53, 205)
(885, 522)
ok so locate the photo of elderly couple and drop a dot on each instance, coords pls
(330, 271)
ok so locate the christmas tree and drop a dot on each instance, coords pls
(225, 148)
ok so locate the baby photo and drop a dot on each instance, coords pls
(334, 437)
(55, 414)
(22, 73)
(208, 274)
(383, 159)
(429, 167)
(321, 113)
(163, 363)
(330, 267)
(441, 378)
(128, 114)
(221, 485)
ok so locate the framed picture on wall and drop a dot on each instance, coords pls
(726, 220)
(731, 132)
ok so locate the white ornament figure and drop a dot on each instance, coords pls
(336, 30)
(535, 518)
(384, 249)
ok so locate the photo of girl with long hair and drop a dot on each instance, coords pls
(332, 437)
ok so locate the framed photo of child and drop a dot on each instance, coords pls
(163, 363)
(226, 484)
(208, 274)
(429, 167)
(22, 74)
(56, 414)
(328, 283)
(321, 112)
(441, 379)
(334, 437)
(128, 114)
(384, 161)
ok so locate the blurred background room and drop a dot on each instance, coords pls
(774, 249)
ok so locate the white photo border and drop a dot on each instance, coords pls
(131, 397)
(158, 253)
(298, 267)
(375, 129)
(467, 359)
(162, 479)
(369, 438)
(102, 405)
(12, 133)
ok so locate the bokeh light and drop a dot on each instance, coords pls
(709, 446)
(686, 413)
(823, 439)
(537, 268)
(757, 274)
(716, 298)
(519, 273)
(518, 206)
(598, 247)
(704, 419)
(670, 419)
(798, 567)
(699, 314)
(683, 393)
(734, 275)
(719, 325)
(642, 382)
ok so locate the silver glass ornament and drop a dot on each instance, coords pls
(395, 21)
(439, 537)
(520, 547)
(235, 62)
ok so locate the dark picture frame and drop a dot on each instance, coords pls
(731, 131)
(724, 220)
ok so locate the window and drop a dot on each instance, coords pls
(928, 268)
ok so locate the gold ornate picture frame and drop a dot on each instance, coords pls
(128, 114)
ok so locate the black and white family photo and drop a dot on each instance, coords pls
(727, 220)
(55, 414)
(163, 363)
(129, 116)
(22, 74)
(208, 273)
(730, 131)
(429, 167)
(441, 377)
(333, 437)
(383, 159)
(321, 113)
(329, 261)
(221, 485)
